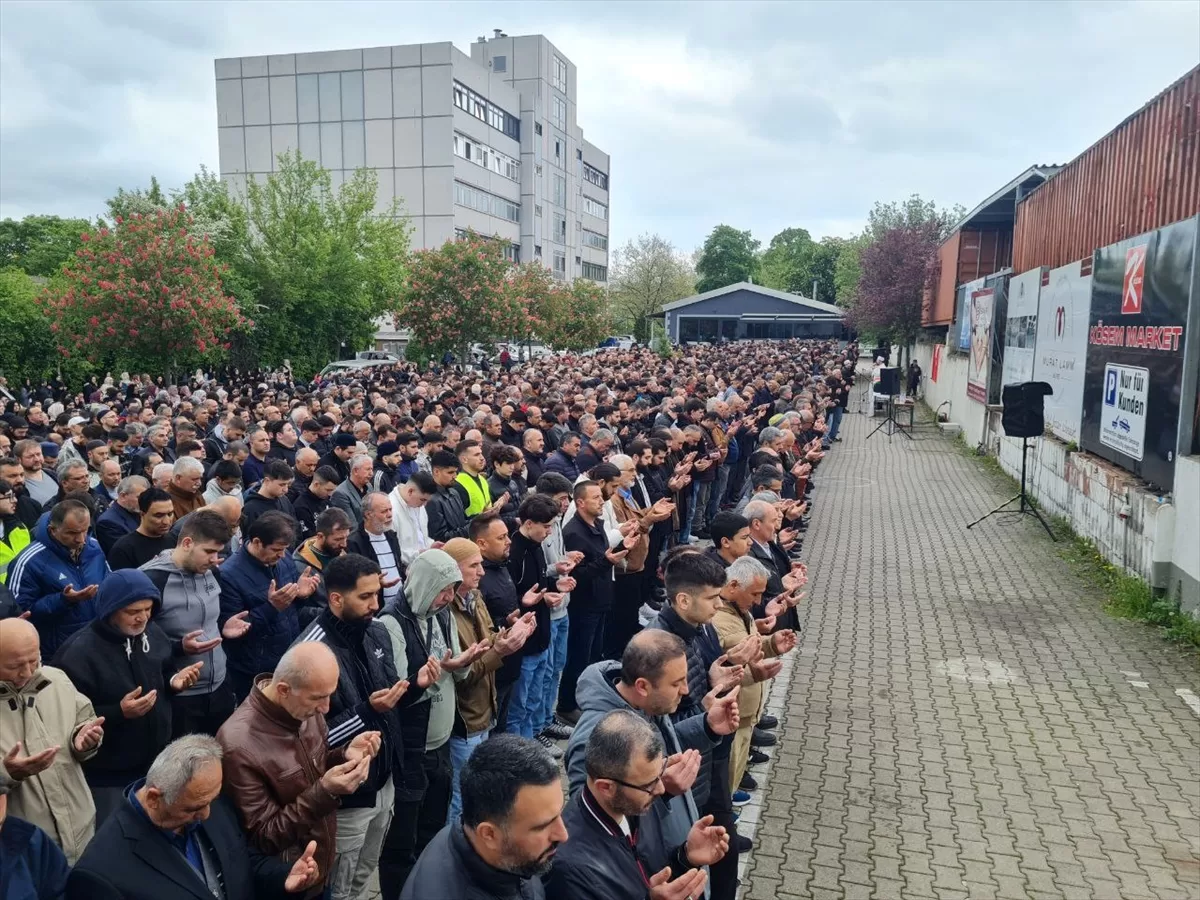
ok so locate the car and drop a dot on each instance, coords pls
(345, 366)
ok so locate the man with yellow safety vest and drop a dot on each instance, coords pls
(14, 536)
(471, 484)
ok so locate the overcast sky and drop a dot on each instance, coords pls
(758, 115)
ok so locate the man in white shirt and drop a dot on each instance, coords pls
(376, 540)
(410, 521)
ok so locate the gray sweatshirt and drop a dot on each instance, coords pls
(190, 603)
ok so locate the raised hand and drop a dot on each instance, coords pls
(783, 641)
(186, 677)
(778, 605)
(765, 626)
(767, 669)
(429, 673)
(554, 599)
(193, 645)
(465, 658)
(707, 843)
(308, 583)
(512, 639)
(533, 596)
(347, 777)
(390, 582)
(305, 871)
(365, 744)
(723, 713)
(134, 705)
(281, 598)
(615, 556)
(681, 771)
(73, 596)
(689, 884)
(236, 626)
(722, 676)
(89, 736)
(748, 650)
(20, 766)
(565, 584)
(387, 698)
(564, 566)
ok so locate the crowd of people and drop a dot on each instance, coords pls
(261, 637)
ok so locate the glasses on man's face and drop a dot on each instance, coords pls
(647, 788)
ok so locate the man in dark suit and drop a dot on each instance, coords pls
(175, 836)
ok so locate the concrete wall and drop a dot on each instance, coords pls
(1146, 534)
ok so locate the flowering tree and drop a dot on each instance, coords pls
(457, 295)
(575, 317)
(895, 270)
(146, 294)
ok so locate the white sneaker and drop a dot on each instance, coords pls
(552, 748)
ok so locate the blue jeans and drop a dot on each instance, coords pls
(460, 751)
(585, 645)
(718, 492)
(525, 708)
(835, 422)
(557, 659)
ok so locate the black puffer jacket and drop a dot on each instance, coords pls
(106, 665)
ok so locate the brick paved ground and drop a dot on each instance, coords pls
(963, 720)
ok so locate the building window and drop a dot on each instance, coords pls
(560, 265)
(470, 102)
(537, 210)
(594, 207)
(499, 64)
(560, 190)
(559, 75)
(486, 157)
(558, 111)
(473, 198)
(558, 151)
(512, 252)
(537, 127)
(595, 176)
(592, 239)
(560, 228)
(593, 272)
(537, 250)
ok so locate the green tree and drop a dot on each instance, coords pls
(787, 263)
(321, 266)
(457, 295)
(575, 317)
(27, 350)
(144, 295)
(913, 213)
(39, 245)
(727, 257)
(848, 270)
(646, 274)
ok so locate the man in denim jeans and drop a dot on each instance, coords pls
(560, 562)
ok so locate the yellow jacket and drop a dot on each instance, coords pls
(13, 541)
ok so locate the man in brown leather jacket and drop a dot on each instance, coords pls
(277, 767)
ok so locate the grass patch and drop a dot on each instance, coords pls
(1126, 596)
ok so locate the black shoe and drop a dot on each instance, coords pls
(571, 718)
(743, 844)
(767, 723)
(757, 757)
(762, 738)
(748, 783)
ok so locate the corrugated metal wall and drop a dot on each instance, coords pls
(1143, 175)
(938, 308)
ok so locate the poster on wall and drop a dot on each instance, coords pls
(979, 355)
(936, 368)
(1060, 357)
(964, 312)
(1141, 289)
(1020, 329)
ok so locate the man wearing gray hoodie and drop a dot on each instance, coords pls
(425, 640)
(651, 679)
(191, 601)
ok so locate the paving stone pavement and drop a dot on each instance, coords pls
(963, 721)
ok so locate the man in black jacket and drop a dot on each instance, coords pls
(338, 458)
(377, 541)
(175, 836)
(447, 517)
(602, 860)
(125, 663)
(592, 596)
(510, 830)
(270, 495)
(314, 500)
(529, 570)
(367, 698)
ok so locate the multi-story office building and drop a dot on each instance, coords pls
(488, 142)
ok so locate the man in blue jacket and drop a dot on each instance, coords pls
(56, 577)
(262, 579)
(31, 864)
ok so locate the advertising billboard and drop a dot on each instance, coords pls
(964, 313)
(1141, 288)
(1060, 358)
(1020, 329)
(979, 356)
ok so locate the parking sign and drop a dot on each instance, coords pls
(1123, 419)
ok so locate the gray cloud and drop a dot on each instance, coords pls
(762, 115)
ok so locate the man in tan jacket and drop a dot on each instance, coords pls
(746, 579)
(476, 691)
(47, 729)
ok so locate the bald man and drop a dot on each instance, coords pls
(47, 729)
(230, 509)
(281, 729)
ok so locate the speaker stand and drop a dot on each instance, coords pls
(1026, 508)
(889, 425)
